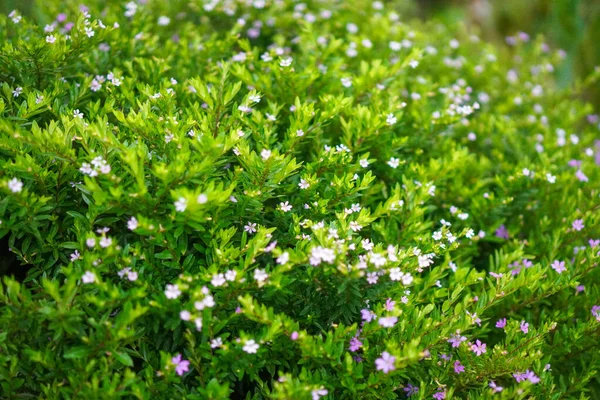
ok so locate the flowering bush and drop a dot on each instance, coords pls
(272, 199)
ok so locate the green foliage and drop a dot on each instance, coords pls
(291, 201)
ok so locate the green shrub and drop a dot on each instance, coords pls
(273, 199)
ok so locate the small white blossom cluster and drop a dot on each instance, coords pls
(98, 166)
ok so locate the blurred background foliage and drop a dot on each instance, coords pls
(572, 25)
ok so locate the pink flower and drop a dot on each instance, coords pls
(385, 363)
(478, 348)
(294, 335)
(578, 224)
(593, 243)
(389, 304)
(440, 395)
(524, 327)
(181, 366)
(388, 322)
(501, 323)
(458, 368)
(559, 266)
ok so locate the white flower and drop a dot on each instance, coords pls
(132, 224)
(320, 254)
(283, 258)
(105, 242)
(318, 393)
(198, 323)
(265, 154)
(202, 198)
(91, 242)
(367, 244)
(218, 342)
(346, 82)
(396, 274)
(260, 275)
(172, 291)
(218, 280)
(393, 162)
(88, 277)
(355, 226)
(364, 163)
(230, 275)
(15, 185)
(251, 347)
(77, 114)
(285, 207)
(377, 259)
(470, 233)
(437, 235)
(181, 204)
(299, 133)
(551, 178)
(250, 227)
(132, 275)
(18, 90)
(303, 184)
(164, 21)
(285, 62)
(89, 31)
(463, 216)
(185, 315)
(391, 119)
(50, 39)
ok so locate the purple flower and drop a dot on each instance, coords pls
(524, 327)
(478, 348)
(575, 163)
(596, 312)
(578, 224)
(385, 363)
(579, 288)
(440, 395)
(527, 375)
(501, 232)
(181, 366)
(367, 315)
(501, 323)
(527, 263)
(409, 389)
(458, 368)
(581, 176)
(496, 388)
(559, 266)
(593, 243)
(456, 339)
(355, 344)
